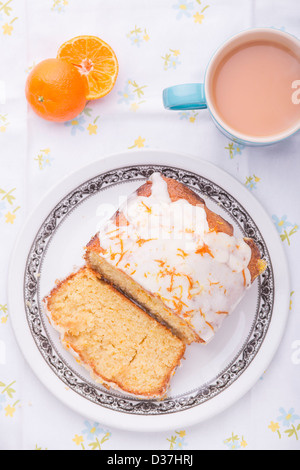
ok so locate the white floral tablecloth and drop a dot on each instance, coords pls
(158, 43)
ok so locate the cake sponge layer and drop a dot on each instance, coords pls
(114, 338)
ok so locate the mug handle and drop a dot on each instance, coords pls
(185, 97)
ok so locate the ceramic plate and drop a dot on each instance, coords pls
(50, 247)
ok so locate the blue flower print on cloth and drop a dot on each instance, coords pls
(287, 417)
(76, 124)
(184, 8)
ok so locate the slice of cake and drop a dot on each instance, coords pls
(176, 258)
(119, 343)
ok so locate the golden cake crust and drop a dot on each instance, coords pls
(178, 191)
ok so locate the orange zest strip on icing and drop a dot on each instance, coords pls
(182, 253)
(210, 325)
(191, 284)
(201, 313)
(179, 300)
(181, 289)
(171, 283)
(190, 294)
(244, 277)
(179, 304)
(160, 262)
(113, 237)
(204, 249)
(141, 241)
(148, 209)
(163, 298)
(188, 313)
(121, 257)
(122, 253)
(113, 231)
(219, 312)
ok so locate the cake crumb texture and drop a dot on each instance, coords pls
(115, 339)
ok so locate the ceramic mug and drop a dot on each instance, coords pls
(199, 95)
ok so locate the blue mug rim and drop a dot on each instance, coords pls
(234, 135)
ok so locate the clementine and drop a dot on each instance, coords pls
(56, 90)
(95, 60)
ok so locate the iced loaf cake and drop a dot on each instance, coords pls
(176, 258)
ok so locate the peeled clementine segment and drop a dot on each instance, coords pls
(94, 59)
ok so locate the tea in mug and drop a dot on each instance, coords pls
(252, 88)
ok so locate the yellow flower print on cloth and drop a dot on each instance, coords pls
(138, 36)
(44, 158)
(234, 148)
(234, 442)
(8, 402)
(291, 299)
(287, 423)
(39, 448)
(86, 121)
(59, 5)
(8, 206)
(3, 314)
(252, 181)
(177, 441)
(93, 126)
(30, 67)
(7, 18)
(3, 123)
(92, 437)
(193, 9)
(189, 116)
(132, 95)
(138, 143)
(171, 59)
(285, 228)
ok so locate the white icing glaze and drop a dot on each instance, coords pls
(168, 248)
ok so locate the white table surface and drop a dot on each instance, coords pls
(35, 155)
